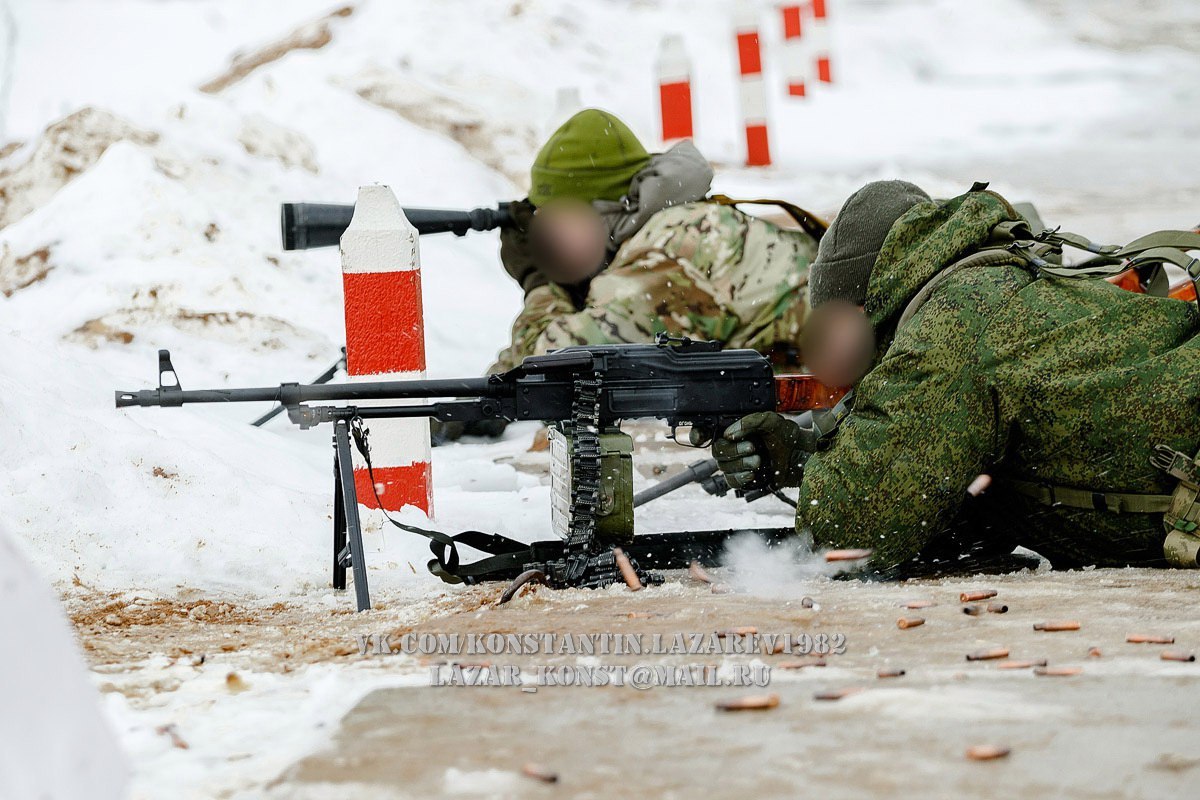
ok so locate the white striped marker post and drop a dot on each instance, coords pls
(385, 340)
(566, 104)
(674, 71)
(751, 91)
(820, 31)
(794, 59)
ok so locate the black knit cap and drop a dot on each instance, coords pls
(848, 250)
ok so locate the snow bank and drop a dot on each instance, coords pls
(150, 220)
(152, 500)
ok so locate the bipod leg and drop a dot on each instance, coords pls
(349, 508)
(341, 552)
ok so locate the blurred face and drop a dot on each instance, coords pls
(839, 344)
(569, 241)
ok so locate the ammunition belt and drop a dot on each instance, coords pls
(585, 486)
(583, 563)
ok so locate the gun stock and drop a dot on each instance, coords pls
(795, 394)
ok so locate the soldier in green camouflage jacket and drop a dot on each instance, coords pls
(1058, 389)
(673, 261)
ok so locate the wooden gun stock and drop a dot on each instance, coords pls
(1131, 281)
(797, 393)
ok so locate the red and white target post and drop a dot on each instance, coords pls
(820, 39)
(795, 58)
(385, 340)
(752, 92)
(674, 72)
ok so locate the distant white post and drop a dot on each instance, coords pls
(385, 340)
(567, 102)
(751, 91)
(820, 31)
(674, 72)
(8, 36)
(795, 59)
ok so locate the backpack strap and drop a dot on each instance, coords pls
(810, 223)
(981, 258)
(1149, 254)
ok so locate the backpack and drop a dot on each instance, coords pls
(1140, 266)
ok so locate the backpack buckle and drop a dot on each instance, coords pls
(1176, 464)
(1024, 249)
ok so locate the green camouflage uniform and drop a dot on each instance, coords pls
(1067, 382)
(701, 269)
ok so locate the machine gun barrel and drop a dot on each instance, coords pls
(293, 393)
(308, 225)
(685, 383)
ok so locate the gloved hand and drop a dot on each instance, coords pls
(764, 450)
(516, 251)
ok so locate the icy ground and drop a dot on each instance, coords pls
(150, 221)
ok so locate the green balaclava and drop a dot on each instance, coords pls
(592, 156)
(848, 250)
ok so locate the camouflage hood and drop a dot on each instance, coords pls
(678, 176)
(923, 242)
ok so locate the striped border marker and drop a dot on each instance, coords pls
(674, 72)
(751, 91)
(794, 59)
(567, 103)
(820, 30)
(385, 340)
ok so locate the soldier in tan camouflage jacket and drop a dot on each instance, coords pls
(672, 261)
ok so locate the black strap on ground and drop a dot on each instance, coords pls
(443, 545)
(674, 550)
(507, 558)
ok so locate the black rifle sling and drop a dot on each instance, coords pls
(447, 565)
(810, 223)
(508, 557)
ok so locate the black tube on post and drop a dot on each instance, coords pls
(308, 225)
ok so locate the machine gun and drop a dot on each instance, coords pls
(308, 225)
(584, 392)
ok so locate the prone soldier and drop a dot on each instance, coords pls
(1075, 398)
(615, 245)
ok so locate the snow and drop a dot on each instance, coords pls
(173, 243)
(57, 744)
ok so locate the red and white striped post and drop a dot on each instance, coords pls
(820, 31)
(794, 59)
(385, 340)
(674, 71)
(751, 91)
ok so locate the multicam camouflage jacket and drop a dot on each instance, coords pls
(700, 269)
(1043, 380)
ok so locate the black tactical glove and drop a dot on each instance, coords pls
(765, 451)
(516, 250)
